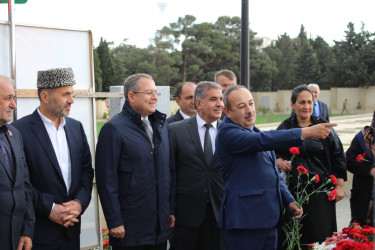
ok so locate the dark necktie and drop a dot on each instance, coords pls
(5, 149)
(148, 131)
(208, 154)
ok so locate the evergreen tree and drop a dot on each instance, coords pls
(106, 64)
(97, 73)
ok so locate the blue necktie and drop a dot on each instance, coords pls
(315, 112)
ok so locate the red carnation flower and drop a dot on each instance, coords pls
(317, 179)
(332, 195)
(333, 178)
(294, 150)
(103, 229)
(359, 158)
(302, 170)
(364, 155)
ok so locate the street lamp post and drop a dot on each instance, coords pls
(245, 51)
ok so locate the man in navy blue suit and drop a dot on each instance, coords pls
(255, 193)
(59, 161)
(320, 108)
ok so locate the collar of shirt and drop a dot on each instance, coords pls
(202, 131)
(48, 122)
(185, 116)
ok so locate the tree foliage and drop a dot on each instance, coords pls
(190, 51)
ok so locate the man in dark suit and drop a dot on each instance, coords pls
(17, 217)
(184, 99)
(255, 193)
(199, 182)
(225, 78)
(133, 174)
(320, 108)
(59, 161)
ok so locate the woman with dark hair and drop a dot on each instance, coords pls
(323, 157)
(360, 161)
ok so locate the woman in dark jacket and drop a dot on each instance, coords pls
(323, 157)
(361, 201)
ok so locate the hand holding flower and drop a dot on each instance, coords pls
(340, 194)
(295, 210)
(284, 165)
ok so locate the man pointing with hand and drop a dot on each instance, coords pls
(255, 194)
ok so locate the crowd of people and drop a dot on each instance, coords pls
(206, 178)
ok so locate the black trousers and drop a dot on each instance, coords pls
(162, 246)
(206, 237)
(62, 244)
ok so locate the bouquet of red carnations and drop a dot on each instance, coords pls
(353, 237)
(302, 192)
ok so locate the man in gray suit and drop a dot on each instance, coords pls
(199, 181)
(17, 217)
(184, 99)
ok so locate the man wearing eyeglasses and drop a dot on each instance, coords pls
(133, 175)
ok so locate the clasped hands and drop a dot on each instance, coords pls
(66, 214)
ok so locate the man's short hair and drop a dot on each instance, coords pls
(225, 72)
(202, 88)
(131, 83)
(227, 92)
(6, 79)
(313, 85)
(179, 88)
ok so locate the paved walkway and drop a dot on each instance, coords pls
(347, 127)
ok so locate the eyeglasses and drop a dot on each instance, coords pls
(148, 92)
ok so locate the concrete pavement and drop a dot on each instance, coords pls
(347, 127)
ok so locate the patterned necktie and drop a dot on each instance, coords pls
(5, 148)
(148, 131)
(208, 154)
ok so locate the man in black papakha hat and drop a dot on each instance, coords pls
(59, 161)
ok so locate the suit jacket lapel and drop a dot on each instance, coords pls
(217, 128)
(40, 132)
(71, 144)
(3, 164)
(179, 115)
(193, 130)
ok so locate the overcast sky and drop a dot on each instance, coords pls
(138, 20)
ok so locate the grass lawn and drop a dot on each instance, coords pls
(270, 118)
(99, 126)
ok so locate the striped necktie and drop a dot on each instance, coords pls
(148, 131)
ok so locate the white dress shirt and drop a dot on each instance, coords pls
(202, 131)
(60, 146)
(185, 116)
